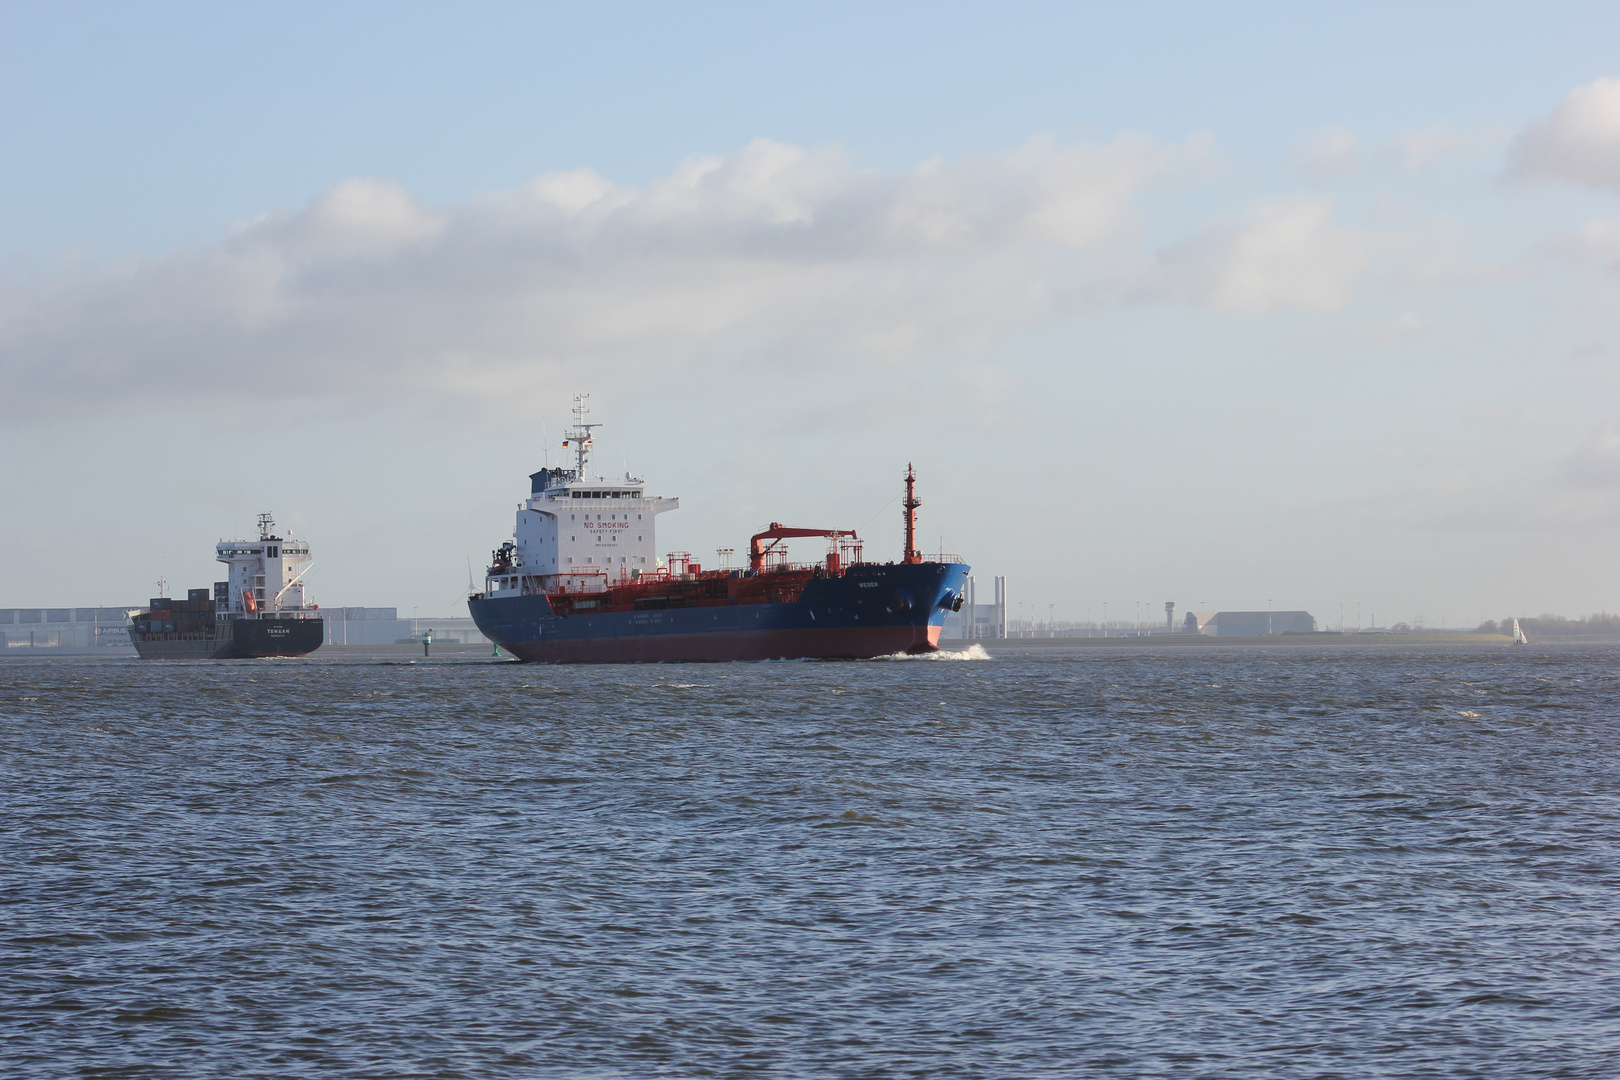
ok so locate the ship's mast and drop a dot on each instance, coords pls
(580, 434)
(911, 504)
(267, 525)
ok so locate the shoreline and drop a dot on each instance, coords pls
(1287, 641)
(993, 646)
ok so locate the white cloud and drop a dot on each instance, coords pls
(787, 253)
(776, 258)
(1579, 142)
(358, 219)
(1285, 254)
(1329, 154)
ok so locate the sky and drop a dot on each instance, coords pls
(1229, 305)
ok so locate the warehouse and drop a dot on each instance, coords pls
(1249, 623)
(64, 628)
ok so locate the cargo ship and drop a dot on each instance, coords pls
(259, 611)
(579, 582)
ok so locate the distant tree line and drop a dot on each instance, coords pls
(1556, 625)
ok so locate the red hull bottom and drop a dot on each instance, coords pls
(842, 644)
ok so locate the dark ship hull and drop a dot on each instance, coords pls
(869, 610)
(229, 639)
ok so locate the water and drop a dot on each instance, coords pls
(1205, 863)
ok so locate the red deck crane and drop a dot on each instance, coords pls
(778, 531)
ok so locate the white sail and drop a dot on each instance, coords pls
(1518, 635)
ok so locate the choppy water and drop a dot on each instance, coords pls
(1232, 863)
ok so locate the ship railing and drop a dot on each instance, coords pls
(785, 568)
(574, 581)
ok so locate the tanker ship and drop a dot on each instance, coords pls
(580, 582)
(259, 611)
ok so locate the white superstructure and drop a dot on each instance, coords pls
(266, 575)
(576, 533)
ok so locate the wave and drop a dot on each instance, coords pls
(972, 652)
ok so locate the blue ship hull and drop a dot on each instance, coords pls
(869, 610)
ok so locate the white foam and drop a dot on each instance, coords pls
(972, 652)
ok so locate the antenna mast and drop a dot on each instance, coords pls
(911, 504)
(580, 434)
(267, 525)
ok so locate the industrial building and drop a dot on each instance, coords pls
(461, 631)
(1248, 623)
(364, 625)
(65, 628)
(977, 620)
(1197, 621)
(383, 626)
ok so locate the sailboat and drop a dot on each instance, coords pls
(1518, 635)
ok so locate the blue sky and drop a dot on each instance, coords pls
(137, 127)
(1193, 302)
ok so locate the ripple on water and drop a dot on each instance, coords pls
(1394, 862)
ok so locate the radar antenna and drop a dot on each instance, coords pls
(580, 434)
